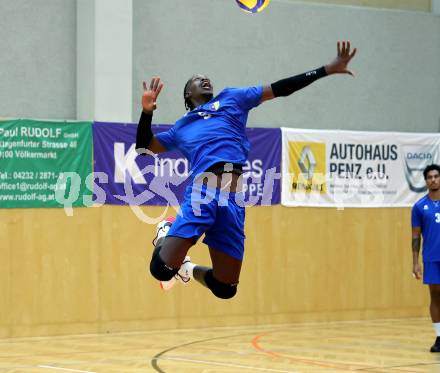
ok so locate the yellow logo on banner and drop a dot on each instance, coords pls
(307, 167)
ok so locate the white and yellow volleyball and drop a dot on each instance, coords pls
(252, 6)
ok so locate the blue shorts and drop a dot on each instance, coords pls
(431, 273)
(217, 215)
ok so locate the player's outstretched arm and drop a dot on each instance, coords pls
(144, 136)
(286, 87)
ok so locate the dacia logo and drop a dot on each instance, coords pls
(416, 157)
(419, 156)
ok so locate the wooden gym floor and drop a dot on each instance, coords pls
(396, 345)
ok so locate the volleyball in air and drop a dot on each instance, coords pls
(252, 6)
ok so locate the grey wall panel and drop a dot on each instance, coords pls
(397, 86)
(38, 59)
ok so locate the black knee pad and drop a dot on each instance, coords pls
(159, 269)
(218, 288)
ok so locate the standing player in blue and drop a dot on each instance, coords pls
(212, 136)
(425, 221)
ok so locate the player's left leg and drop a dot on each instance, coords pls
(222, 278)
(434, 290)
(434, 308)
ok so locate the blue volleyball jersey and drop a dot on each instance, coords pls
(426, 215)
(215, 131)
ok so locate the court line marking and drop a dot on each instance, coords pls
(395, 367)
(158, 356)
(228, 365)
(65, 369)
(275, 327)
(342, 366)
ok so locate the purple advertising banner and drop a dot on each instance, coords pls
(123, 177)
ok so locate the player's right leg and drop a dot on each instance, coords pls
(168, 255)
(175, 239)
(198, 214)
(431, 276)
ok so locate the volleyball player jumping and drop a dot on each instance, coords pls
(212, 136)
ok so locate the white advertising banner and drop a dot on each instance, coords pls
(332, 168)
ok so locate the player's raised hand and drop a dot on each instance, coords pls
(151, 93)
(340, 64)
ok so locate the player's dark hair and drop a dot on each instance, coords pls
(431, 167)
(188, 104)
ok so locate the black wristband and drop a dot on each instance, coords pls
(144, 133)
(286, 87)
